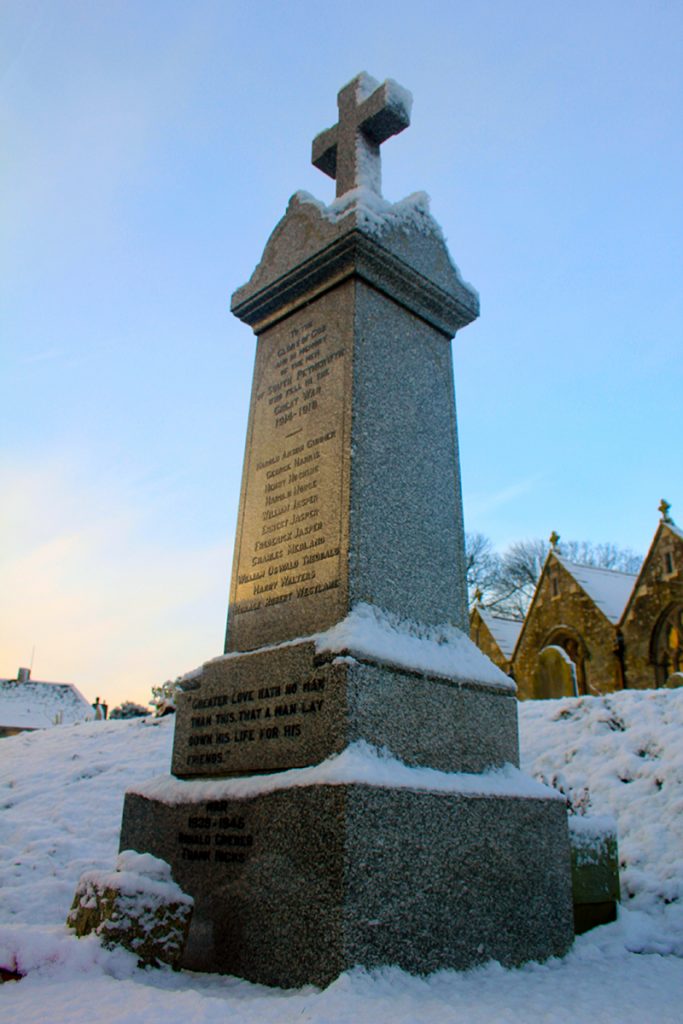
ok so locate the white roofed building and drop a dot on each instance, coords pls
(27, 704)
(608, 589)
(568, 643)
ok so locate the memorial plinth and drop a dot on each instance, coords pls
(344, 629)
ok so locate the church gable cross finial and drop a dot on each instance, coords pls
(554, 539)
(664, 508)
(369, 114)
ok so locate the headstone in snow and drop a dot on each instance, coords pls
(346, 606)
(595, 870)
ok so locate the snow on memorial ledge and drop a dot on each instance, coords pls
(371, 633)
(360, 764)
(378, 217)
(444, 650)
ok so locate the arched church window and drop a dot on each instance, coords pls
(668, 647)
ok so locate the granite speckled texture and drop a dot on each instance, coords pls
(290, 575)
(295, 886)
(287, 708)
(406, 546)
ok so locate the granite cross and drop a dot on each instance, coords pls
(369, 114)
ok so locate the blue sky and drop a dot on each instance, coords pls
(151, 147)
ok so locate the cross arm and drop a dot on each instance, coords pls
(324, 152)
(384, 113)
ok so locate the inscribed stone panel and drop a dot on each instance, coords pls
(289, 576)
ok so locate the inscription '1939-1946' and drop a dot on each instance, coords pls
(214, 835)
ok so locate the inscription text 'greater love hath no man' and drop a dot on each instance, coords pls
(223, 723)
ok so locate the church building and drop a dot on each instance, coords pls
(495, 635)
(567, 645)
(652, 623)
(590, 630)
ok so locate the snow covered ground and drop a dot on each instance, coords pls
(61, 795)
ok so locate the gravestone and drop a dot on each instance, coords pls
(305, 851)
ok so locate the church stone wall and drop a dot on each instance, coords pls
(480, 634)
(659, 588)
(562, 608)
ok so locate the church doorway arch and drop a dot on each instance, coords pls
(666, 648)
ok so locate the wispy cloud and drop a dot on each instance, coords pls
(479, 504)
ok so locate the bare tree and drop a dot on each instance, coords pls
(520, 568)
(602, 556)
(482, 566)
(507, 582)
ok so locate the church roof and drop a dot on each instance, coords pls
(664, 525)
(35, 705)
(609, 589)
(504, 631)
(676, 529)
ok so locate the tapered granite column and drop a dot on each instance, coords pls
(351, 488)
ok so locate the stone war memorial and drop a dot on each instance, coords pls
(345, 786)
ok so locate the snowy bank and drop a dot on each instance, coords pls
(62, 791)
(622, 756)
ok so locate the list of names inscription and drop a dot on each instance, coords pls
(291, 534)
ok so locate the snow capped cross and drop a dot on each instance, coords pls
(369, 114)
